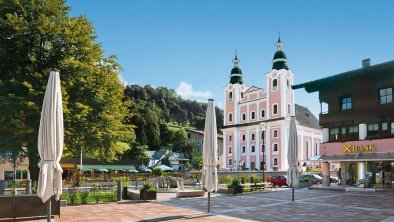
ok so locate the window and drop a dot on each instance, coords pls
(18, 174)
(243, 137)
(230, 96)
(262, 134)
(242, 95)
(275, 149)
(230, 138)
(253, 149)
(252, 136)
(230, 117)
(275, 109)
(385, 130)
(275, 161)
(392, 128)
(243, 116)
(353, 133)
(262, 113)
(253, 115)
(24, 175)
(262, 148)
(243, 149)
(275, 84)
(288, 109)
(386, 95)
(334, 134)
(373, 130)
(229, 150)
(8, 175)
(230, 162)
(275, 133)
(346, 103)
(343, 133)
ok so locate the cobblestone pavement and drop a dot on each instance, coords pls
(309, 205)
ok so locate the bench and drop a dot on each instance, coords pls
(25, 206)
(191, 193)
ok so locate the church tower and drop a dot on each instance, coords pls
(233, 94)
(279, 81)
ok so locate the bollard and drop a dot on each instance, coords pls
(119, 190)
(28, 187)
(125, 193)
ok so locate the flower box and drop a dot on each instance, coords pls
(147, 195)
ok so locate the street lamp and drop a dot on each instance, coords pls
(263, 127)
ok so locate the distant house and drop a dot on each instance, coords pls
(198, 137)
(175, 158)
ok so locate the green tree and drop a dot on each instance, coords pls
(36, 36)
(138, 152)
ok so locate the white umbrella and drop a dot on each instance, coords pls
(292, 156)
(165, 168)
(209, 170)
(50, 142)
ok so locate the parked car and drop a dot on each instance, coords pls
(278, 180)
(332, 179)
(312, 177)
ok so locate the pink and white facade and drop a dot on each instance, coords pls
(256, 121)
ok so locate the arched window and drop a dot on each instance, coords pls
(275, 148)
(262, 113)
(253, 115)
(275, 161)
(230, 96)
(230, 117)
(230, 162)
(253, 149)
(230, 138)
(229, 150)
(275, 84)
(275, 109)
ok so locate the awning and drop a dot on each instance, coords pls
(360, 156)
(108, 167)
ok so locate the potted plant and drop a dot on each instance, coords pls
(234, 187)
(147, 192)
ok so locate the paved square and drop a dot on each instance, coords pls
(309, 205)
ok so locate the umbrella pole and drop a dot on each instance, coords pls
(49, 210)
(292, 196)
(209, 202)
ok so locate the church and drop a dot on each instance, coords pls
(256, 120)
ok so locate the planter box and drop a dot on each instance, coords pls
(147, 195)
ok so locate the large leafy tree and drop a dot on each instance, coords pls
(36, 36)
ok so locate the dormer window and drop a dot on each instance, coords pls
(275, 84)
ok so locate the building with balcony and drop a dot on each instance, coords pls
(357, 118)
(256, 121)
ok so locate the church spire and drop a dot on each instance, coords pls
(280, 60)
(236, 72)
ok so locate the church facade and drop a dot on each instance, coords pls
(256, 121)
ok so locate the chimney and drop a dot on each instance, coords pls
(366, 63)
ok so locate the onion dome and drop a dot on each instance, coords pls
(236, 72)
(280, 60)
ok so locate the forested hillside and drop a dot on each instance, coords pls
(154, 108)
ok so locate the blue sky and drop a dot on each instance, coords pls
(189, 45)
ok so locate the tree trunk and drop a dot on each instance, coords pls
(33, 161)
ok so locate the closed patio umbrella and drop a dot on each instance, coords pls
(50, 143)
(210, 147)
(292, 156)
(164, 168)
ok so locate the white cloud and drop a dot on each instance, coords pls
(185, 90)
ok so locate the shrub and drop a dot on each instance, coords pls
(96, 190)
(235, 186)
(304, 180)
(225, 179)
(124, 180)
(148, 187)
(73, 195)
(84, 197)
(157, 172)
(257, 179)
